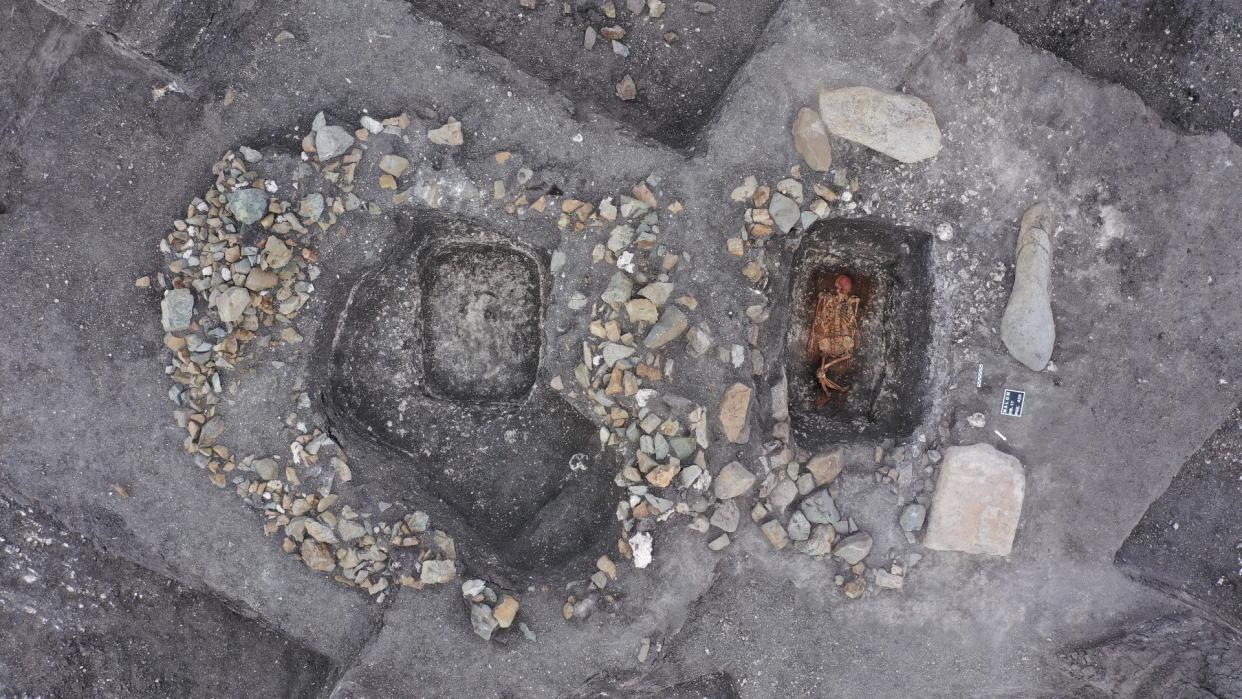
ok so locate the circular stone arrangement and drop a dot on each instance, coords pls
(241, 265)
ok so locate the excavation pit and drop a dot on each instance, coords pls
(481, 310)
(883, 366)
(435, 391)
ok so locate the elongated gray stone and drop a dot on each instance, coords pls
(1027, 328)
(671, 325)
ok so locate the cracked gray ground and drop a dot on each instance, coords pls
(1145, 285)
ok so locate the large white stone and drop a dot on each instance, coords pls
(978, 501)
(898, 125)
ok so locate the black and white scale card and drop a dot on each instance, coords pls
(1012, 402)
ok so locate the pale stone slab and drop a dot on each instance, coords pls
(898, 125)
(978, 501)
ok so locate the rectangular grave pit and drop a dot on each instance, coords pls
(889, 268)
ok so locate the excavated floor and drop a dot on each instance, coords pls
(111, 115)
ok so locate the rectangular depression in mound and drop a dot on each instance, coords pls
(681, 62)
(481, 322)
(870, 333)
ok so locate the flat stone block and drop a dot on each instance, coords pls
(978, 501)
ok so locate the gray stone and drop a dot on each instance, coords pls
(888, 580)
(826, 466)
(912, 517)
(311, 207)
(811, 140)
(799, 528)
(267, 469)
(435, 572)
(448, 135)
(819, 543)
(482, 621)
(247, 205)
(177, 309)
(251, 155)
(671, 325)
(978, 501)
(726, 516)
(614, 352)
(820, 508)
(619, 289)
(782, 495)
(394, 165)
(733, 480)
(211, 431)
(321, 532)
(785, 212)
(698, 340)
(332, 141)
(853, 548)
(657, 292)
(775, 533)
(898, 125)
(719, 542)
(350, 530)
(1027, 328)
(232, 303)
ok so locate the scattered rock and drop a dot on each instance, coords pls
(332, 141)
(727, 515)
(276, 254)
(232, 303)
(898, 125)
(642, 311)
(819, 543)
(671, 325)
(620, 287)
(394, 165)
(826, 466)
(912, 517)
(785, 212)
(506, 611)
(977, 502)
(1027, 328)
(447, 135)
(640, 544)
(775, 533)
(782, 495)
(820, 508)
(977, 420)
(267, 469)
(719, 542)
(482, 621)
(261, 279)
(811, 140)
(853, 548)
(888, 580)
(310, 208)
(732, 481)
(317, 556)
(177, 310)
(247, 205)
(436, 572)
(733, 413)
(626, 89)
(799, 527)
